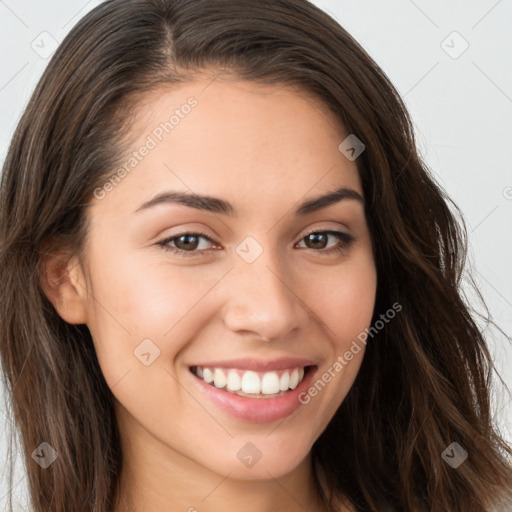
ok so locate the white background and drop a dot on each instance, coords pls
(461, 108)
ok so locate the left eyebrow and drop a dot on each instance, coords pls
(317, 203)
(217, 205)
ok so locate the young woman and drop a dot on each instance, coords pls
(229, 281)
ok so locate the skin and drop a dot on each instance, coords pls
(265, 149)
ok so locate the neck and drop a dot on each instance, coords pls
(155, 478)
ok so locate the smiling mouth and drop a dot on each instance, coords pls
(251, 384)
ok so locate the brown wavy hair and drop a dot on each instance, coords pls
(425, 380)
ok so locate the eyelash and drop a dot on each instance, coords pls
(345, 239)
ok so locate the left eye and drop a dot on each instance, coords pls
(187, 244)
(319, 237)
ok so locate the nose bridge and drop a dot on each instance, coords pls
(261, 298)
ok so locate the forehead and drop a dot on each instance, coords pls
(233, 139)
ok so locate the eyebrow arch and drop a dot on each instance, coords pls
(216, 205)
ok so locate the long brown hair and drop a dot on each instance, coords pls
(425, 380)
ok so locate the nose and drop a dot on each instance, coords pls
(263, 300)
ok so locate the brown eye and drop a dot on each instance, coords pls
(187, 242)
(319, 240)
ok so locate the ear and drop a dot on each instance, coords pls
(62, 280)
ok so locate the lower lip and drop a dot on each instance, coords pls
(257, 410)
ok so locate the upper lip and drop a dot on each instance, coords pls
(259, 365)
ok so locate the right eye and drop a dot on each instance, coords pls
(189, 239)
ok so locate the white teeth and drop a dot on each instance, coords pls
(249, 382)
(219, 379)
(207, 376)
(234, 381)
(294, 379)
(284, 381)
(270, 383)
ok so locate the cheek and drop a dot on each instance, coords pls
(345, 308)
(346, 301)
(133, 301)
(142, 296)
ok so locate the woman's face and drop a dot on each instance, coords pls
(254, 301)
